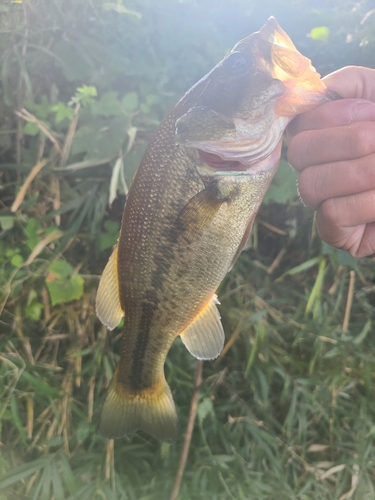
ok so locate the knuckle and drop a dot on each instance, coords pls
(310, 187)
(297, 148)
(359, 139)
(329, 211)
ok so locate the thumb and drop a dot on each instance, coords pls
(353, 81)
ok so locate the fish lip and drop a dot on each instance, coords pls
(242, 153)
(211, 164)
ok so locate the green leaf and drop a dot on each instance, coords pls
(130, 101)
(343, 257)
(85, 94)
(7, 222)
(108, 239)
(144, 108)
(17, 260)
(23, 471)
(41, 110)
(205, 408)
(102, 138)
(61, 269)
(32, 229)
(132, 160)
(301, 267)
(107, 106)
(112, 226)
(65, 290)
(316, 292)
(35, 382)
(320, 33)
(57, 486)
(62, 111)
(283, 187)
(34, 311)
(31, 129)
(17, 419)
(68, 475)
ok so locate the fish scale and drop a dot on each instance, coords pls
(188, 215)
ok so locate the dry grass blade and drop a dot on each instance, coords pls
(333, 470)
(189, 431)
(349, 301)
(18, 324)
(69, 137)
(30, 417)
(110, 463)
(272, 228)
(231, 341)
(25, 186)
(55, 189)
(42, 244)
(355, 481)
(288, 413)
(277, 261)
(23, 113)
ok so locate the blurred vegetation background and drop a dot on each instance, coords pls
(288, 410)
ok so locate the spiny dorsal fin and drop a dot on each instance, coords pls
(108, 306)
(204, 338)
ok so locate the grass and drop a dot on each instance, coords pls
(287, 411)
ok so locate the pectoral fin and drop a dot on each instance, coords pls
(204, 338)
(108, 306)
(199, 211)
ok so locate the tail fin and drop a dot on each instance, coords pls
(151, 410)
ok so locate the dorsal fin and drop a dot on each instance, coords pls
(204, 337)
(108, 305)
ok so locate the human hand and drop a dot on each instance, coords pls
(333, 146)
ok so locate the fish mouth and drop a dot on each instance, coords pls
(214, 164)
(219, 164)
(244, 152)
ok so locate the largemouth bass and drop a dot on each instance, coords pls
(188, 215)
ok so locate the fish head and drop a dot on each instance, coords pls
(235, 116)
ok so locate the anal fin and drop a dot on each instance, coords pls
(204, 338)
(108, 305)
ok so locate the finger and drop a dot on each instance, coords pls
(333, 114)
(349, 223)
(316, 147)
(362, 243)
(359, 241)
(349, 211)
(332, 180)
(353, 81)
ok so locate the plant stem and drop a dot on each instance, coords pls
(189, 431)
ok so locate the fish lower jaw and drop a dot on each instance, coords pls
(245, 154)
(214, 164)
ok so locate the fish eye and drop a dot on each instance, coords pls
(237, 62)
